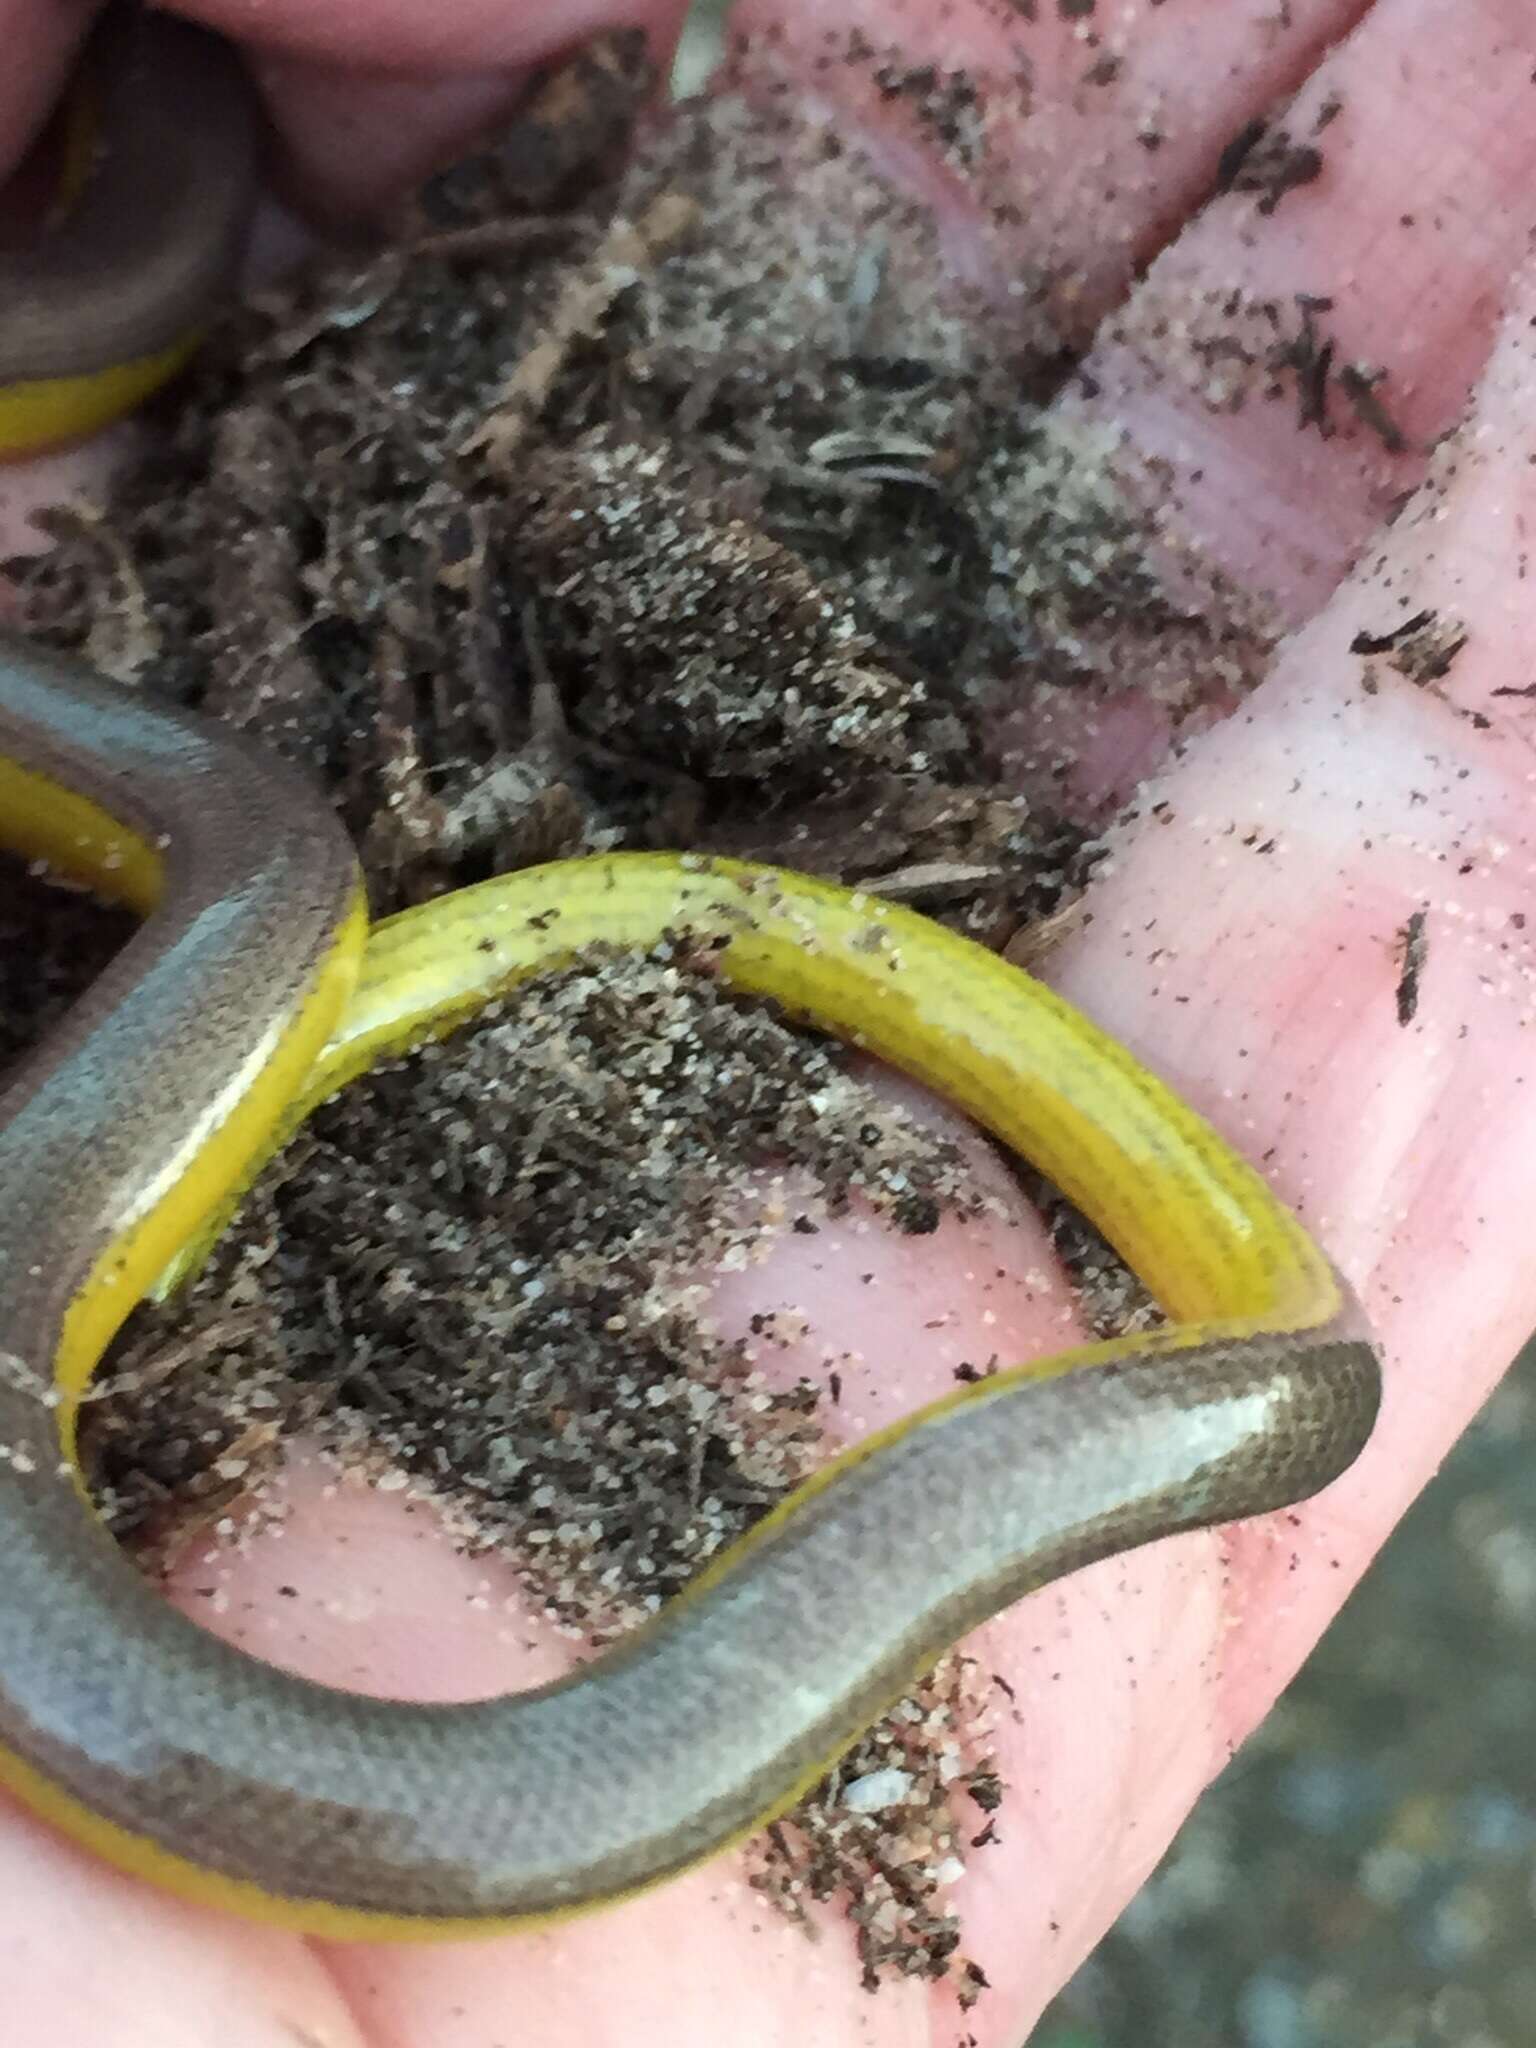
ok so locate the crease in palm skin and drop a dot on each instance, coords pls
(1260, 985)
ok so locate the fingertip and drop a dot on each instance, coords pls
(451, 36)
(40, 39)
(349, 139)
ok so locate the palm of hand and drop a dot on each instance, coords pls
(1347, 795)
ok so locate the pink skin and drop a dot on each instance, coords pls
(1265, 993)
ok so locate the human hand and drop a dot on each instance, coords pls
(1320, 819)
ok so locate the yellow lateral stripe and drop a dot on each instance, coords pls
(45, 822)
(1200, 1227)
(1193, 1219)
(50, 412)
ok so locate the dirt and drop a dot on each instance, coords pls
(650, 487)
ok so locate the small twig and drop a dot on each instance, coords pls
(169, 1359)
(495, 238)
(921, 881)
(1041, 935)
(626, 252)
(409, 823)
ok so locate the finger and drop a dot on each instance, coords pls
(1404, 242)
(350, 139)
(1194, 407)
(352, 136)
(1072, 139)
(1336, 806)
(451, 35)
(40, 39)
(364, 99)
